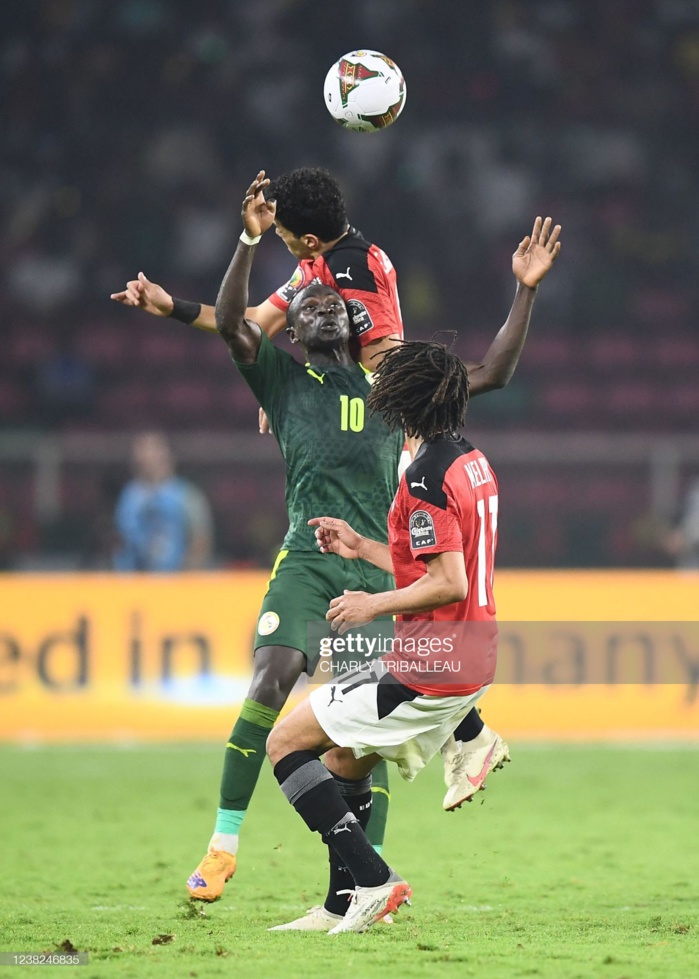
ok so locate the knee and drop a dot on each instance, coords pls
(275, 744)
(274, 675)
(341, 761)
(269, 688)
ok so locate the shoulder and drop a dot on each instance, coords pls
(174, 489)
(268, 354)
(131, 491)
(425, 477)
(350, 263)
(301, 276)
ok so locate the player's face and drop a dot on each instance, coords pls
(297, 246)
(321, 321)
(152, 458)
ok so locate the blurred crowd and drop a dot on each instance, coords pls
(130, 129)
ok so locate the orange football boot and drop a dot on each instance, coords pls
(208, 880)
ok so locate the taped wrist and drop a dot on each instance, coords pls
(184, 311)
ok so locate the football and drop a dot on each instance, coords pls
(365, 91)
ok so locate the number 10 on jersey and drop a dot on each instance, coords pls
(351, 414)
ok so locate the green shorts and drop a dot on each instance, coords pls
(299, 593)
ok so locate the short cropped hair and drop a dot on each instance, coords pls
(309, 202)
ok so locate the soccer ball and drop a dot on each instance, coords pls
(365, 91)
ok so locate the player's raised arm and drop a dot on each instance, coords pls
(241, 334)
(531, 262)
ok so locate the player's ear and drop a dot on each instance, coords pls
(312, 242)
(291, 333)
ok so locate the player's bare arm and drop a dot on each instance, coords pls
(242, 335)
(445, 582)
(143, 294)
(337, 537)
(373, 352)
(531, 263)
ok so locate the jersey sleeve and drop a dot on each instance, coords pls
(432, 529)
(267, 377)
(284, 294)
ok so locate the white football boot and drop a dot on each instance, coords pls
(467, 763)
(371, 904)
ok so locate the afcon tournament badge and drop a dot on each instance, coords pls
(421, 527)
(269, 623)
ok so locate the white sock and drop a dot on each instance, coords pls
(224, 841)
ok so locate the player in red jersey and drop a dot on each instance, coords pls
(442, 531)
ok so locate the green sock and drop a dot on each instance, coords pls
(245, 753)
(380, 798)
(228, 821)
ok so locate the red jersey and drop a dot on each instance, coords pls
(364, 277)
(447, 500)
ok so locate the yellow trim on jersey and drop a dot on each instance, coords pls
(280, 557)
(368, 375)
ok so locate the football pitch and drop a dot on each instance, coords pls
(581, 862)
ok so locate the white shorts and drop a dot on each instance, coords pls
(371, 714)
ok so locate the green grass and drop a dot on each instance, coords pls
(582, 862)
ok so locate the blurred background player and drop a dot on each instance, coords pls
(442, 531)
(163, 521)
(682, 543)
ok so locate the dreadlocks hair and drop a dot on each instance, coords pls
(309, 202)
(421, 387)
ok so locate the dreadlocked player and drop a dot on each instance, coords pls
(442, 530)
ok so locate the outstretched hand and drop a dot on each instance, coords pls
(536, 253)
(336, 537)
(145, 295)
(257, 213)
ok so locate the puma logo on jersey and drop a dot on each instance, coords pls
(421, 484)
(333, 698)
(345, 275)
(243, 751)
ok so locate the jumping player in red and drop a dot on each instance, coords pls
(442, 531)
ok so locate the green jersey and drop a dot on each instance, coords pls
(339, 461)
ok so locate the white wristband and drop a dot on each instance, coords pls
(248, 239)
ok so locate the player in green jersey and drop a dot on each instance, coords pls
(333, 452)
